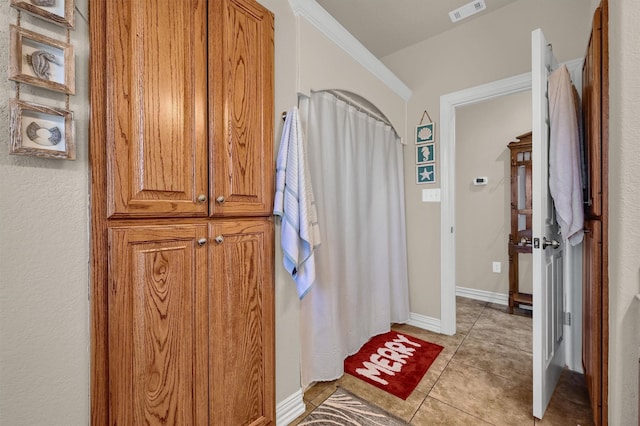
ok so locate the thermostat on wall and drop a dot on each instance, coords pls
(480, 180)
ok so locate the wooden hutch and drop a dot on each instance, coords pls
(521, 209)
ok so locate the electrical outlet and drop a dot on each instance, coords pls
(497, 267)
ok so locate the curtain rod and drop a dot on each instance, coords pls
(360, 107)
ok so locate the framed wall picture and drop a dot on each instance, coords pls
(60, 12)
(426, 173)
(41, 61)
(425, 133)
(425, 153)
(41, 131)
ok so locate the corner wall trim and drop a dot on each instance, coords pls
(424, 322)
(485, 296)
(334, 31)
(289, 409)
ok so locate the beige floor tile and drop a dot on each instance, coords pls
(436, 413)
(467, 313)
(572, 386)
(482, 376)
(504, 361)
(569, 405)
(495, 325)
(492, 398)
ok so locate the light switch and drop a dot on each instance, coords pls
(431, 195)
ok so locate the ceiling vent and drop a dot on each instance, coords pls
(467, 10)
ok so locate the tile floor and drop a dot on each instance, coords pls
(481, 377)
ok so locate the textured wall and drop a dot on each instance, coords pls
(624, 212)
(44, 333)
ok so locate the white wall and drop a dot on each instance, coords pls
(624, 212)
(483, 213)
(44, 253)
(489, 48)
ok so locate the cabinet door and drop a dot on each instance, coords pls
(241, 108)
(592, 344)
(241, 347)
(157, 325)
(156, 108)
(592, 115)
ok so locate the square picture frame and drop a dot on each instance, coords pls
(425, 133)
(41, 61)
(41, 131)
(60, 12)
(426, 173)
(426, 153)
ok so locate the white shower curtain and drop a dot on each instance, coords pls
(361, 283)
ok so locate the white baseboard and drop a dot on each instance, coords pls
(290, 409)
(485, 296)
(424, 322)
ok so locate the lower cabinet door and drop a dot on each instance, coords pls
(157, 323)
(241, 307)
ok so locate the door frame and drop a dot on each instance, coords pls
(448, 104)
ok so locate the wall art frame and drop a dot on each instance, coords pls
(41, 131)
(60, 12)
(425, 153)
(425, 133)
(41, 61)
(426, 173)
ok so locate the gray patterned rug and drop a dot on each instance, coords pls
(344, 408)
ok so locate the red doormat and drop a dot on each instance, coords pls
(393, 362)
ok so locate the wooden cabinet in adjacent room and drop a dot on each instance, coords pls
(182, 191)
(521, 210)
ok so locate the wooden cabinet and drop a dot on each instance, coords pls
(521, 210)
(191, 344)
(182, 191)
(595, 296)
(190, 107)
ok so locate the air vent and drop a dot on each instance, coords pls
(467, 10)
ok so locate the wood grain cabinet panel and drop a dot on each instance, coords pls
(156, 108)
(241, 102)
(158, 325)
(242, 323)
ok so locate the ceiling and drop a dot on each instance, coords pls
(386, 26)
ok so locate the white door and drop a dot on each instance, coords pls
(548, 288)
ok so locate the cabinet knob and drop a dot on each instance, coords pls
(202, 241)
(220, 199)
(219, 239)
(202, 198)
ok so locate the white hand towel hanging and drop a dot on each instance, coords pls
(565, 179)
(295, 204)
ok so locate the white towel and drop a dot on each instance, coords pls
(294, 203)
(565, 179)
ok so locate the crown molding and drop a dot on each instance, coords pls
(332, 29)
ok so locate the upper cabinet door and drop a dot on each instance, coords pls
(241, 108)
(156, 108)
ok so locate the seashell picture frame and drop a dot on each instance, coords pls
(60, 12)
(41, 131)
(41, 61)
